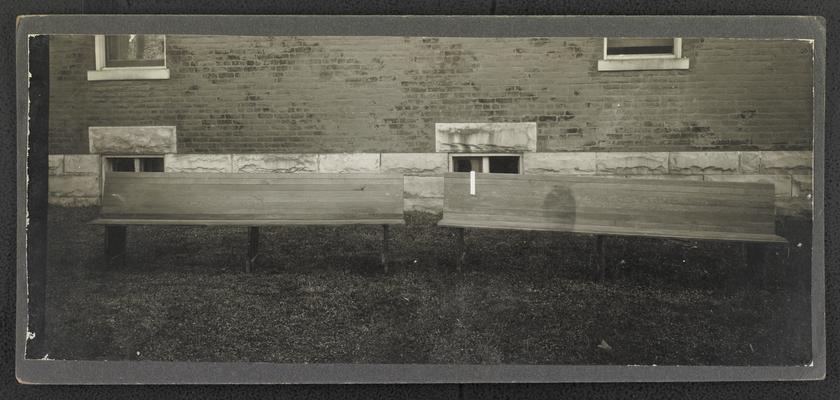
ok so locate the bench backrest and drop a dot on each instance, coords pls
(605, 205)
(259, 199)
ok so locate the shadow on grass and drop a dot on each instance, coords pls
(319, 295)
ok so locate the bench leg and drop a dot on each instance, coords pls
(385, 248)
(600, 258)
(115, 240)
(253, 248)
(755, 255)
(462, 248)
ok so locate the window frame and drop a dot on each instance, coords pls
(485, 161)
(639, 62)
(105, 73)
(105, 164)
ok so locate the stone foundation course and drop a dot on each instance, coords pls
(75, 178)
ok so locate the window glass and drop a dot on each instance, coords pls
(497, 164)
(467, 164)
(616, 46)
(504, 164)
(138, 164)
(134, 50)
(122, 164)
(151, 164)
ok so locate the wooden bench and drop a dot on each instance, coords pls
(667, 208)
(253, 200)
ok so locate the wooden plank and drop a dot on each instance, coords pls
(563, 198)
(572, 201)
(613, 184)
(661, 208)
(253, 214)
(243, 199)
(617, 217)
(122, 193)
(629, 222)
(273, 183)
(326, 186)
(463, 176)
(163, 194)
(244, 222)
(252, 207)
(570, 204)
(256, 216)
(600, 186)
(240, 177)
(252, 196)
(680, 234)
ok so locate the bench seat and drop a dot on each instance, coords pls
(598, 205)
(252, 200)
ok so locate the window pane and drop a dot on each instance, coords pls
(134, 50)
(122, 164)
(466, 164)
(504, 164)
(640, 46)
(151, 164)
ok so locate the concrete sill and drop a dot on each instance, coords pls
(642, 64)
(122, 74)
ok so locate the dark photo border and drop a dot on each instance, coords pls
(31, 245)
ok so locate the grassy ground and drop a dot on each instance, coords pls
(319, 295)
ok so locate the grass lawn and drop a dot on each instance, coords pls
(319, 295)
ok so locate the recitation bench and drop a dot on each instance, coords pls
(666, 208)
(252, 200)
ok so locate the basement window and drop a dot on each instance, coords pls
(488, 163)
(134, 164)
(126, 57)
(637, 54)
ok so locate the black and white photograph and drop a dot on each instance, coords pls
(427, 200)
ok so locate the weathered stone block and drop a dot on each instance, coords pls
(502, 137)
(414, 163)
(82, 164)
(703, 162)
(423, 186)
(750, 162)
(197, 162)
(74, 201)
(803, 186)
(348, 162)
(425, 204)
(275, 163)
(580, 163)
(786, 162)
(132, 139)
(782, 183)
(56, 164)
(73, 186)
(631, 163)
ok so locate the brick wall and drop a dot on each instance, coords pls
(384, 94)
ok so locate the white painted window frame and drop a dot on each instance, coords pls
(105, 73)
(485, 160)
(641, 62)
